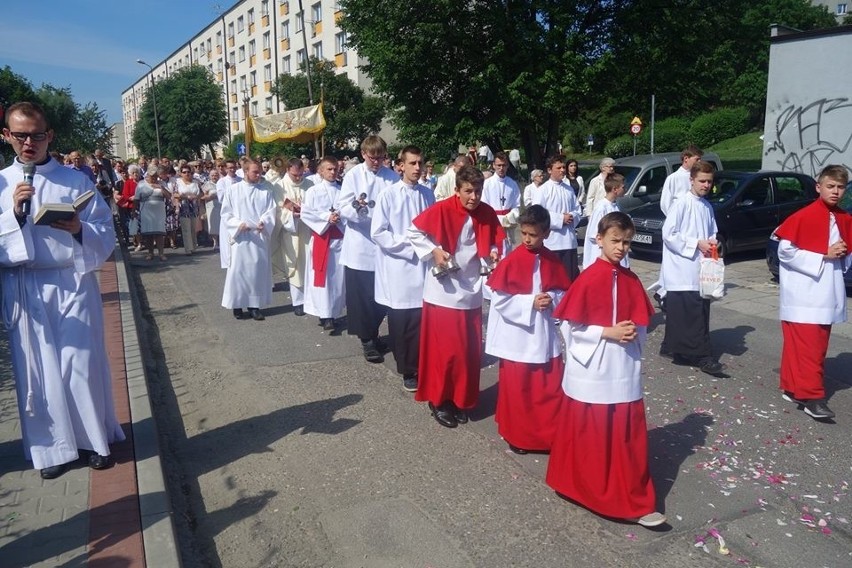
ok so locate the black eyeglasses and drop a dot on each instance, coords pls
(34, 136)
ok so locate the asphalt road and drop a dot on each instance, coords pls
(283, 447)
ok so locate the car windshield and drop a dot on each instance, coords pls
(629, 173)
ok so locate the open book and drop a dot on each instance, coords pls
(51, 212)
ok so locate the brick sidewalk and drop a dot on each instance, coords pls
(88, 517)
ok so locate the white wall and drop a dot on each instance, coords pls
(809, 101)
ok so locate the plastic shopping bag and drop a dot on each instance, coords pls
(711, 279)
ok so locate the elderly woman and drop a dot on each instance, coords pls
(212, 207)
(537, 177)
(152, 195)
(186, 194)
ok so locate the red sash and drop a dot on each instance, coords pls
(319, 253)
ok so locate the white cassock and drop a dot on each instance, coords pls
(399, 273)
(359, 251)
(446, 185)
(248, 281)
(690, 220)
(295, 235)
(519, 332)
(328, 301)
(52, 309)
(558, 198)
(676, 185)
(222, 187)
(504, 196)
(591, 250)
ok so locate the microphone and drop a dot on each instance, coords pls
(29, 173)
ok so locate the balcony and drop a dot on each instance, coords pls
(252, 60)
(338, 16)
(267, 54)
(267, 86)
(285, 44)
(251, 29)
(218, 50)
(233, 97)
(264, 20)
(231, 41)
(317, 28)
(254, 90)
(284, 8)
(219, 76)
(233, 70)
(235, 125)
(340, 59)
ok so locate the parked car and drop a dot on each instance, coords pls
(748, 207)
(772, 245)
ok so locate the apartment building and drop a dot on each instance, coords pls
(246, 48)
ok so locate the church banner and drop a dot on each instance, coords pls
(299, 125)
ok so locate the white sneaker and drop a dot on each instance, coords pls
(651, 519)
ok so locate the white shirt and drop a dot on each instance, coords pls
(528, 194)
(676, 185)
(446, 185)
(591, 250)
(400, 275)
(558, 198)
(597, 190)
(691, 219)
(359, 251)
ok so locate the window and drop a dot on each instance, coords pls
(195, 54)
(285, 65)
(268, 105)
(251, 17)
(340, 42)
(209, 45)
(241, 24)
(243, 85)
(757, 193)
(242, 52)
(218, 39)
(235, 113)
(219, 65)
(300, 57)
(841, 9)
(267, 72)
(337, 7)
(232, 59)
(266, 40)
(253, 78)
(316, 12)
(285, 29)
(653, 180)
(789, 190)
(252, 48)
(233, 86)
(254, 108)
(231, 29)
(300, 21)
(264, 8)
(318, 50)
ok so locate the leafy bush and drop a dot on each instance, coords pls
(670, 135)
(719, 125)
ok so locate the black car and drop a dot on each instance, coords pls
(772, 245)
(748, 207)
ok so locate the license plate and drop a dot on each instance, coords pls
(642, 238)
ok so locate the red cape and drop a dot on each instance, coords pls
(589, 300)
(444, 220)
(513, 274)
(808, 228)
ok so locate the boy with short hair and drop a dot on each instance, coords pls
(464, 231)
(399, 273)
(614, 185)
(558, 198)
(525, 288)
(324, 285)
(813, 254)
(689, 233)
(599, 456)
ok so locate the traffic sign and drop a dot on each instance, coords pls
(635, 129)
(591, 140)
(636, 120)
(241, 149)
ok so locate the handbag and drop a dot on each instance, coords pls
(711, 278)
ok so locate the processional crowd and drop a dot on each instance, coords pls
(376, 239)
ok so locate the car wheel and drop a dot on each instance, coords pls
(722, 246)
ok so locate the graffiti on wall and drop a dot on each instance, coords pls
(809, 137)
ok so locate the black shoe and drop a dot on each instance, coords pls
(256, 315)
(240, 314)
(666, 353)
(409, 383)
(335, 328)
(444, 415)
(684, 361)
(371, 354)
(788, 396)
(53, 471)
(97, 461)
(517, 450)
(327, 324)
(711, 367)
(461, 415)
(381, 346)
(299, 310)
(817, 409)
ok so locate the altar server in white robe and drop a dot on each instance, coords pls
(248, 216)
(52, 305)
(222, 186)
(399, 273)
(558, 198)
(361, 188)
(295, 235)
(614, 186)
(503, 194)
(599, 455)
(526, 287)
(813, 254)
(324, 280)
(689, 233)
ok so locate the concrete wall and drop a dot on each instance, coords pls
(809, 101)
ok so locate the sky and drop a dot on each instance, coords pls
(91, 46)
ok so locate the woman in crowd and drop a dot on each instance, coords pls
(186, 195)
(152, 196)
(212, 207)
(575, 180)
(167, 178)
(537, 177)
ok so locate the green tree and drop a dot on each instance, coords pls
(91, 130)
(190, 112)
(350, 114)
(13, 88)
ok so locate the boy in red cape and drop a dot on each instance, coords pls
(525, 288)
(465, 231)
(813, 254)
(599, 456)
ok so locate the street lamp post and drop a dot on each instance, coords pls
(154, 95)
(248, 136)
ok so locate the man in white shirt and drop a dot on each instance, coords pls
(222, 186)
(558, 198)
(503, 194)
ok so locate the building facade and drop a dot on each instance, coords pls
(245, 49)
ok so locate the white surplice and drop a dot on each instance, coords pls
(558, 198)
(52, 309)
(676, 185)
(328, 301)
(591, 250)
(248, 281)
(359, 250)
(222, 186)
(517, 331)
(691, 219)
(399, 273)
(504, 196)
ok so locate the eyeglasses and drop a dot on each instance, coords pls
(184, 171)
(34, 136)
(374, 158)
